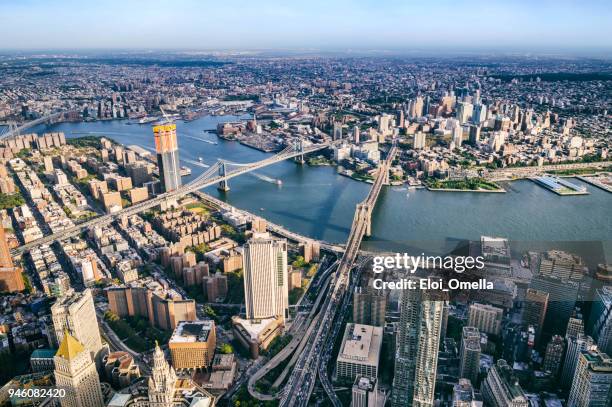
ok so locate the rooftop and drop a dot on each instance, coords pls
(192, 331)
(361, 343)
(70, 347)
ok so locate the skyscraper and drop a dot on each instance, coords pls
(469, 355)
(166, 147)
(592, 384)
(480, 114)
(418, 340)
(486, 318)
(162, 383)
(266, 290)
(369, 306)
(561, 303)
(10, 276)
(337, 131)
(464, 112)
(536, 303)
(601, 317)
(75, 371)
(75, 313)
(575, 346)
(501, 387)
(554, 355)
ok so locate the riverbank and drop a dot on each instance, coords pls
(466, 185)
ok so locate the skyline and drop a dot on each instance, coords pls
(474, 25)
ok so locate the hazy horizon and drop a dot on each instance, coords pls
(392, 26)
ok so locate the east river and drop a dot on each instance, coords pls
(318, 202)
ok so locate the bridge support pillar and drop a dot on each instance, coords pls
(368, 220)
(299, 147)
(223, 184)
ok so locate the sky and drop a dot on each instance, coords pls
(522, 25)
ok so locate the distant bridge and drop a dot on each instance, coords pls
(17, 130)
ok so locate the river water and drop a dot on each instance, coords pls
(317, 202)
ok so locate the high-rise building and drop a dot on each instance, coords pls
(10, 276)
(554, 355)
(480, 113)
(563, 265)
(502, 389)
(75, 371)
(534, 312)
(162, 383)
(359, 353)
(266, 286)
(75, 313)
(369, 306)
(469, 355)
(337, 131)
(419, 140)
(416, 357)
(166, 147)
(464, 112)
(163, 308)
(486, 318)
(356, 133)
(464, 395)
(192, 345)
(601, 317)
(474, 135)
(365, 392)
(562, 295)
(457, 134)
(592, 384)
(575, 327)
(575, 346)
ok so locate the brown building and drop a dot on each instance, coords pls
(111, 199)
(121, 183)
(295, 279)
(192, 345)
(10, 276)
(215, 287)
(139, 194)
(231, 261)
(97, 188)
(120, 369)
(164, 309)
(256, 334)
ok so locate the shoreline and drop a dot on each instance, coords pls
(493, 191)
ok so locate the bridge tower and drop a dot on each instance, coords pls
(367, 213)
(223, 184)
(13, 129)
(299, 147)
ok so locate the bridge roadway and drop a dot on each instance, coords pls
(32, 123)
(302, 380)
(206, 179)
(300, 329)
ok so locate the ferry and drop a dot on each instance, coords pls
(146, 120)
